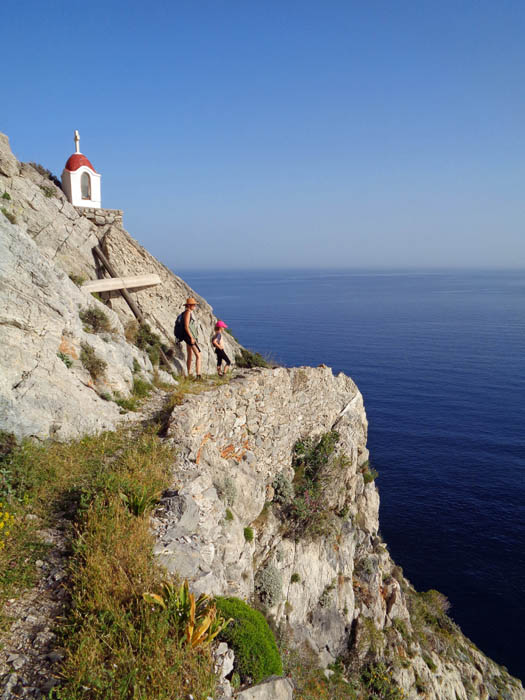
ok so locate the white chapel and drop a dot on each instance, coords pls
(80, 180)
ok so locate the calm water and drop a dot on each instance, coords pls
(439, 358)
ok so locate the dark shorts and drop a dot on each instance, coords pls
(221, 355)
(186, 339)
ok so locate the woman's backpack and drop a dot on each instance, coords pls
(179, 330)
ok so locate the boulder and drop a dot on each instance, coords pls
(270, 689)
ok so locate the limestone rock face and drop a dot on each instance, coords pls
(335, 590)
(44, 242)
(39, 318)
(231, 451)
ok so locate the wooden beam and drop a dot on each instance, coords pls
(117, 283)
(136, 311)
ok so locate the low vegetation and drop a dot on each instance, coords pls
(247, 359)
(127, 630)
(8, 215)
(369, 474)
(227, 491)
(48, 191)
(268, 584)
(145, 339)
(95, 365)
(141, 390)
(95, 320)
(77, 279)
(302, 666)
(256, 653)
(46, 173)
(66, 359)
(306, 512)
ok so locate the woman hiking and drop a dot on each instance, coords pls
(189, 338)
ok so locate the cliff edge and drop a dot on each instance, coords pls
(272, 498)
(280, 455)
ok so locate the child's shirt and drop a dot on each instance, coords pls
(217, 340)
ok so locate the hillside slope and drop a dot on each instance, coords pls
(45, 247)
(272, 498)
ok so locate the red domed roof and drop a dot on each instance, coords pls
(76, 161)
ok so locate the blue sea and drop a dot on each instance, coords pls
(440, 360)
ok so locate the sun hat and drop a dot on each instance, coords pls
(190, 301)
(220, 324)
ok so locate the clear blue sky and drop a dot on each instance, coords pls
(243, 133)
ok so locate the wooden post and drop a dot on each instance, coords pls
(134, 308)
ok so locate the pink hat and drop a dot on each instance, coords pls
(220, 324)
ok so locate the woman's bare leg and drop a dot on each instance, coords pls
(197, 362)
(188, 359)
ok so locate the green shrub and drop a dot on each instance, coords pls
(228, 331)
(432, 666)
(141, 388)
(136, 366)
(397, 573)
(308, 515)
(432, 627)
(228, 515)
(148, 341)
(6, 195)
(401, 626)
(369, 475)
(377, 680)
(253, 642)
(48, 191)
(106, 396)
(7, 444)
(268, 584)
(8, 215)
(129, 404)
(95, 320)
(326, 595)
(248, 359)
(77, 279)
(65, 359)
(248, 534)
(227, 491)
(295, 578)
(283, 489)
(95, 365)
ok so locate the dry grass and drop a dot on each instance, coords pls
(117, 645)
(302, 666)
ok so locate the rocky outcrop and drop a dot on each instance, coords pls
(45, 244)
(334, 588)
(271, 689)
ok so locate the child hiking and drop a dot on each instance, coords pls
(185, 330)
(218, 346)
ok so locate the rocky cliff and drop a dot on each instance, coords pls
(318, 568)
(45, 253)
(272, 496)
